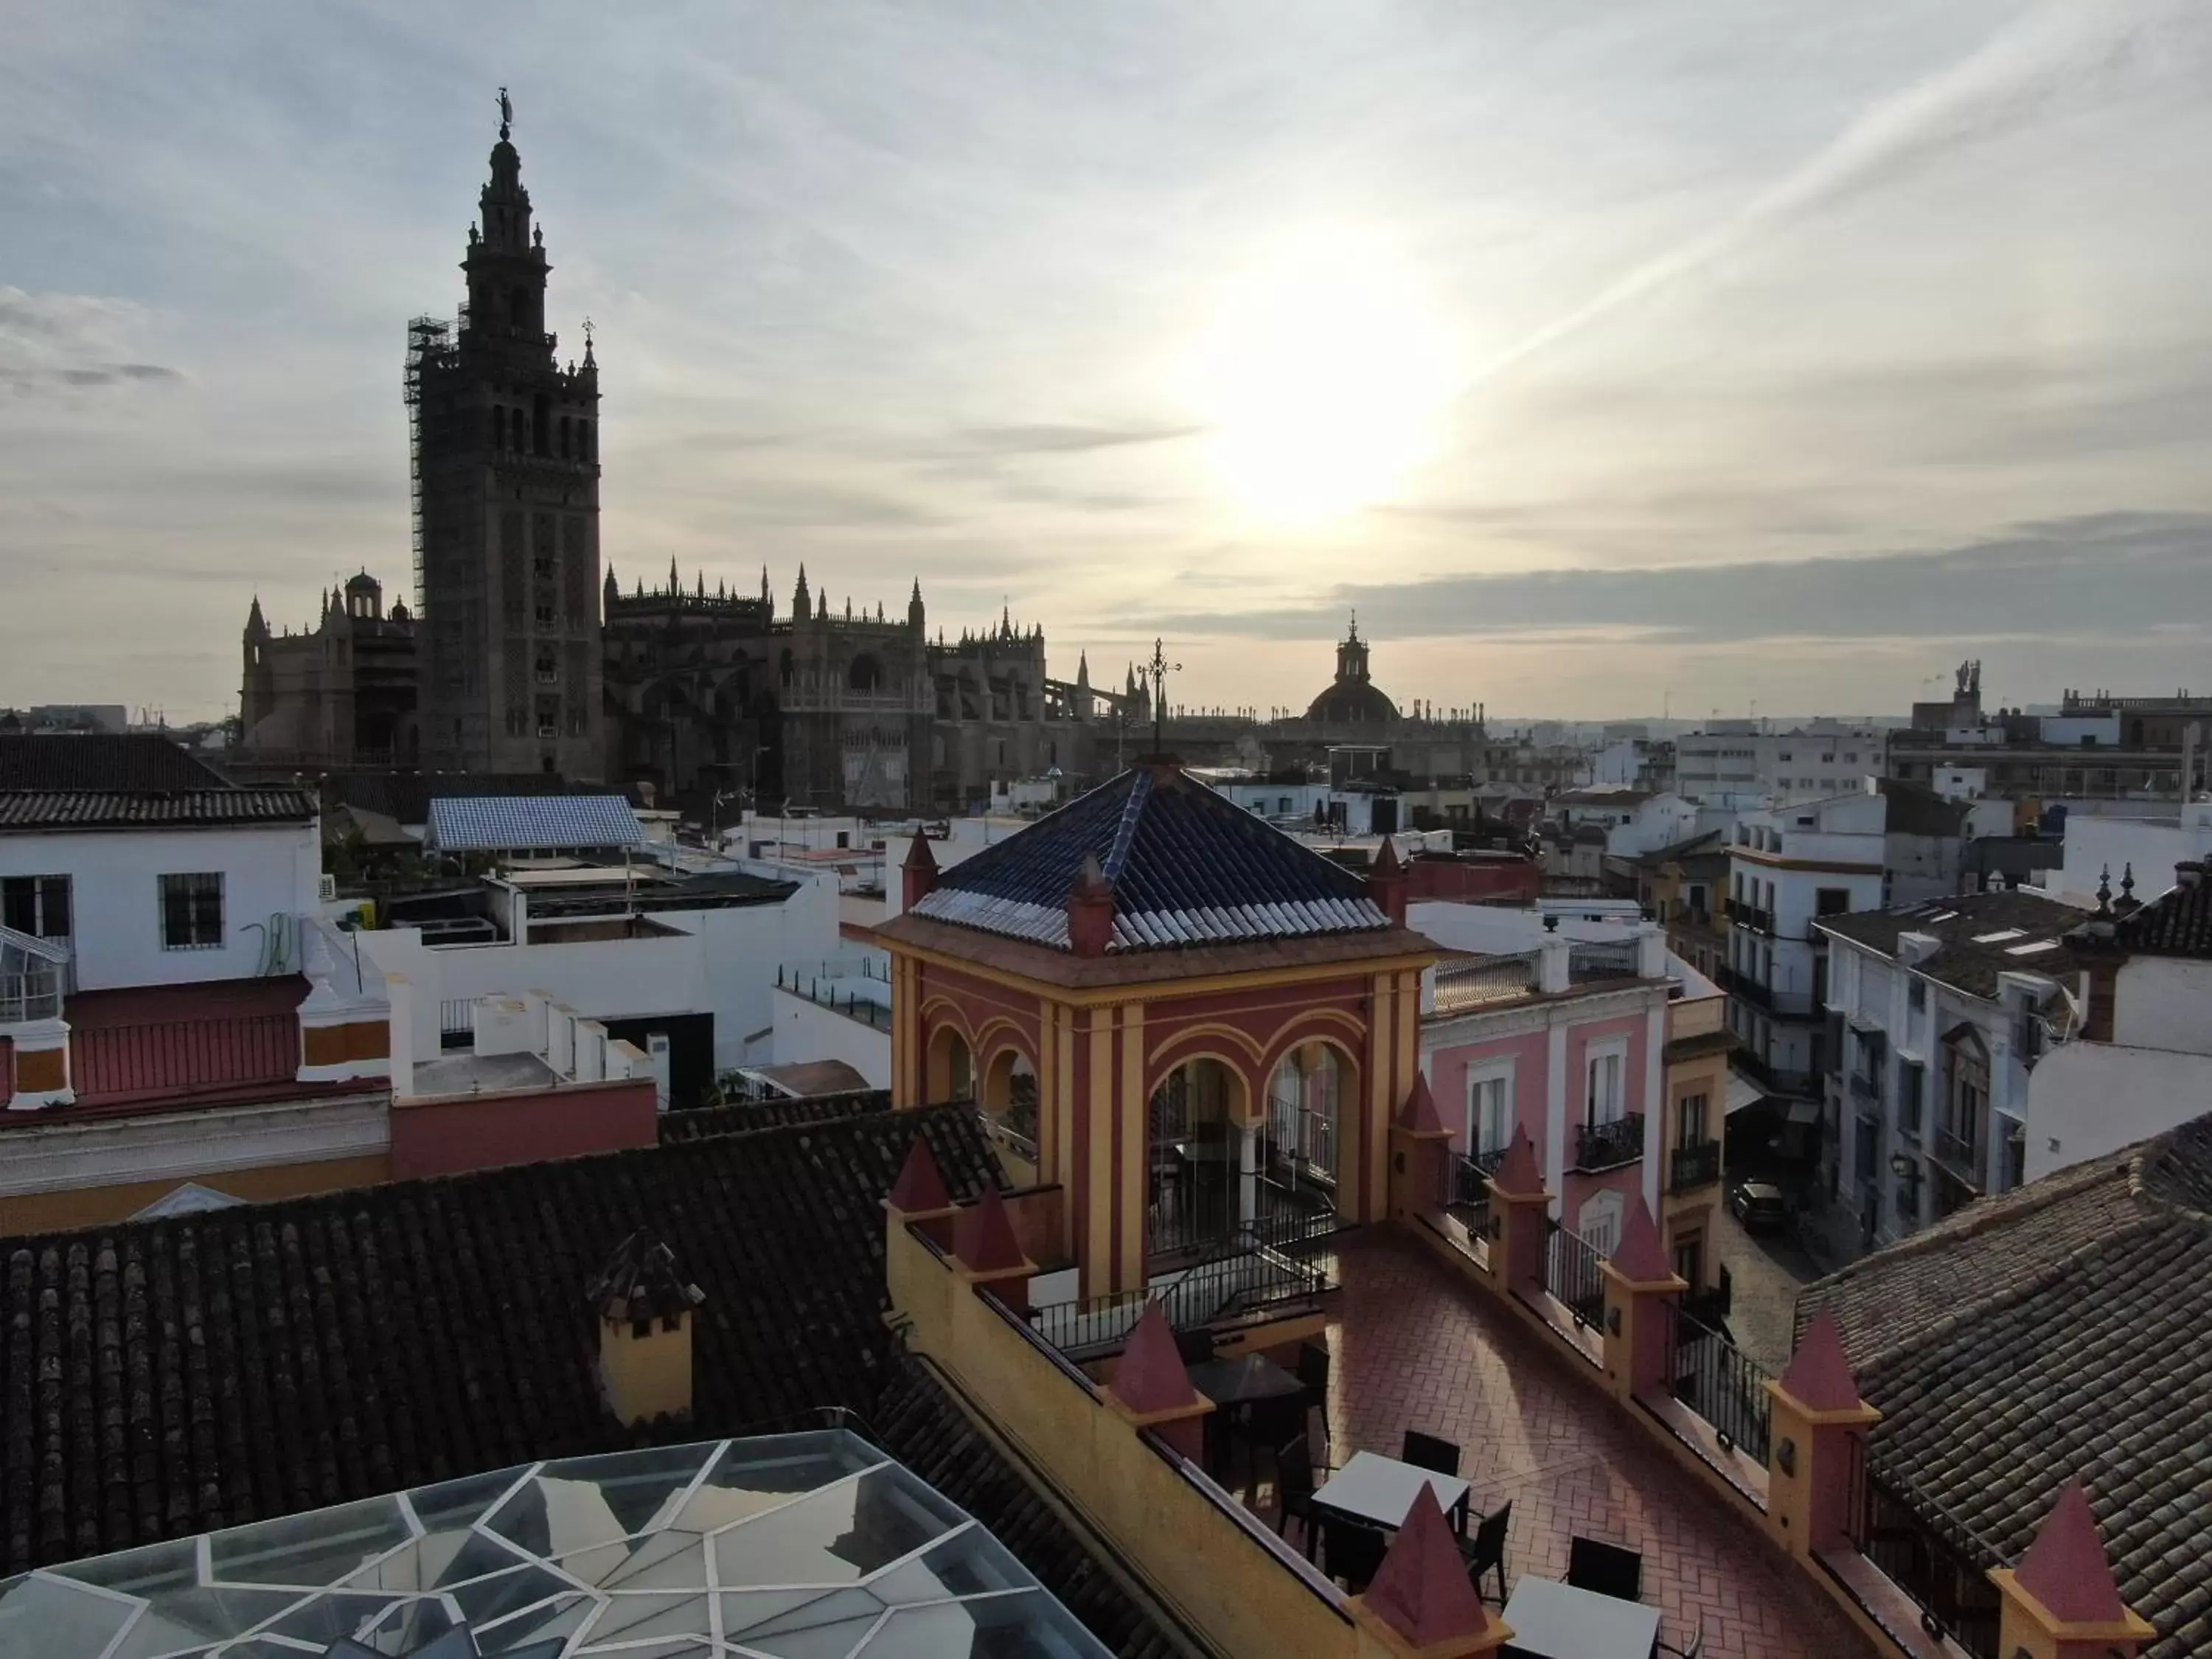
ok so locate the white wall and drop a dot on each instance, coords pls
(116, 902)
(805, 1030)
(2085, 1099)
(2164, 1002)
(2095, 844)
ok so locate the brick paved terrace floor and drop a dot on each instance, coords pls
(1412, 1347)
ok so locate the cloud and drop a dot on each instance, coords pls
(2107, 575)
(1055, 440)
(2032, 66)
(70, 341)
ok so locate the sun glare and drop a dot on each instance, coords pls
(1324, 377)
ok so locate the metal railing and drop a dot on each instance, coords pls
(1714, 1378)
(823, 993)
(1471, 982)
(1962, 1157)
(1744, 987)
(181, 1056)
(1594, 959)
(1609, 1146)
(1571, 1272)
(1238, 1284)
(1940, 1567)
(1697, 1164)
(457, 1023)
(1466, 1192)
(1865, 1087)
(1756, 917)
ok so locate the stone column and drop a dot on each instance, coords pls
(1815, 1442)
(42, 1065)
(2060, 1602)
(1641, 1288)
(1518, 1203)
(1248, 1173)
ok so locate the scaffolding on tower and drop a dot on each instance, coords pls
(429, 345)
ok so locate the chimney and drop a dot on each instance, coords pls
(2189, 873)
(918, 876)
(1090, 911)
(645, 1317)
(1386, 883)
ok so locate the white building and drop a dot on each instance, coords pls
(2140, 1061)
(2100, 849)
(1941, 1008)
(1886, 844)
(1745, 768)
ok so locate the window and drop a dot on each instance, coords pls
(1909, 1085)
(1916, 996)
(1690, 1120)
(192, 911)
(1604, 1102)
(37, 905)
(1830, 901)
(1489, 1110)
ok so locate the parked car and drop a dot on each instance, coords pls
(1758, 1204)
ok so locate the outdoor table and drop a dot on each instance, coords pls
(1551, 1620)
(1234, 1384)
(1379, 1490)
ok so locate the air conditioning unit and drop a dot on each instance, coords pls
(329, 888)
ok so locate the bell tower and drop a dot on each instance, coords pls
(507, 509)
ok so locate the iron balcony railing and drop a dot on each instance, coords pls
(1244, 1284)
(1471, 982)
(1756, 917)
(1697, 1164)
(1571, 1273)
(1961, 1155)
(1940, 1567)
(1466, 1192)
(1713, 1377)
(1865, 1087)
(1609, 1146)
(1745, 988)
(1597, 959)
(182, 1056)
(824, 993)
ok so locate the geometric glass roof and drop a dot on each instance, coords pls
(785, 1546)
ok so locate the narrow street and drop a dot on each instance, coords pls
(1765, 1270)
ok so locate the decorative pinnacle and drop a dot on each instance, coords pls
(506, 113)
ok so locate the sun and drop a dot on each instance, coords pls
(1324, 379)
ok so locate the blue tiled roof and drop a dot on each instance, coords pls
(512, 824)
(1187, 865)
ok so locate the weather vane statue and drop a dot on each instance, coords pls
(1156, 671)
(506, 113)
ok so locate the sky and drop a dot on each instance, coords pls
(1682, 356)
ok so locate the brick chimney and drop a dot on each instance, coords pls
(1386, 883)
(918, 876)
(1090, 911)
(645, 1310)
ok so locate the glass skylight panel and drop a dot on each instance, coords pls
(2035, 947)
(822, 1546)
(2000, 936)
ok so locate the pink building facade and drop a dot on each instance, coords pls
(1581, 1069)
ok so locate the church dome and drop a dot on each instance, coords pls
(1352, 699)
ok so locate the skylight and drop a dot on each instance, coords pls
(2000, 936)
(2032, 947)
(818, 1544)
(1944, 915)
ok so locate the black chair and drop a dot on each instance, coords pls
(1351, 1550)
(1606, 1568)
(1271, 1423)
(1195, 1348)
(1485, 1551)
(1312, 1369)
(1294, 1490)
(1697, 1644)
(1426, 1451)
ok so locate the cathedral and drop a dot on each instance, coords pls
(519, 659)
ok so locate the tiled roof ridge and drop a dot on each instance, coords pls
(2168, 1143)
(1125, 833)
(2058, 1268)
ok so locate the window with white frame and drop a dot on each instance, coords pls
(1606, 1071)
(192, 911)
(1489, 1108)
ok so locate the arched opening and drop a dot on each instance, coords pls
(522, 432)
(1010, 1092)
(1299, 1141)
(950, 1074)
(1196, 1199)
(564, 437)
(498, 427)
(864, 674)
(541, 425)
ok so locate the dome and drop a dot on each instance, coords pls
(1352, 699)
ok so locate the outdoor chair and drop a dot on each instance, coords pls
(1352, 1551)
(1485, 1552)
(1294, 1490)
(1607, 1569)
(1697, 1643)
(1426, 1451)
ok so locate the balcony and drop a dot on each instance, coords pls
(1866, 1088)
(1778, 1079)
(1959, 1156)
(1465, 982)
(1745, 988)
(1697, 1164)
(1601, 959)
(1755, 917)
(1600, 1146)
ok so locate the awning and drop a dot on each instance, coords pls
(1804, 1111)
(1741, 1092)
